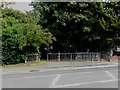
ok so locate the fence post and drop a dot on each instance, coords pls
(58, 56)
(47, 57)
(25, 59)
(71, 56)
(76, 56)
(111, 54)
(39, 56)
(36, 57)
(92, 59)
(91, 56)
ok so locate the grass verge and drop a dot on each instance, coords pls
(32, 63)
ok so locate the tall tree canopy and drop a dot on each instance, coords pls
(21, 35)
(77, 25)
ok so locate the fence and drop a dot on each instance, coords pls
(32, 57)
(82, 56)
(73, 59)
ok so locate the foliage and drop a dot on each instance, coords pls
(21, 36)
(78, 24)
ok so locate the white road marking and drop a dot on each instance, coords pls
(76, 73)
(55, 80)
(54, 75)
(112, 76)
(116, 64)
(28, 77)
(77, 84)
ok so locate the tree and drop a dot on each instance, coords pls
(4, 4)
(79, 23)
(21, 36)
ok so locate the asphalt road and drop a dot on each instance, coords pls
(83, 78)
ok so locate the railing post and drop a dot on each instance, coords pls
(37, 57)
(76, 56)
(71, 56)
(47, 57)
(111, 54)
(92, 59)
(25, 59)
(58, 56)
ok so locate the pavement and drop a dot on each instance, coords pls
(57, 66)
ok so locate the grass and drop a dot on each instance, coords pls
(42, 62)
(32, 63)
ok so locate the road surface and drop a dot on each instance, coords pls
(105, 77)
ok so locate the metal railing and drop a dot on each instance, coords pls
(82, 56)
(32, 57)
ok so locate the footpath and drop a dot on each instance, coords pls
(56, 66)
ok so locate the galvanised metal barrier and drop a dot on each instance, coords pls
(82, 56)
(32, 57)
(73, 59)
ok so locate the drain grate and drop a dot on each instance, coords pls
(34, 70)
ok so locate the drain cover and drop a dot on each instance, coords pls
(34, 70)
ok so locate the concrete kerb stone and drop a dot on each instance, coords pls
(57, 69)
